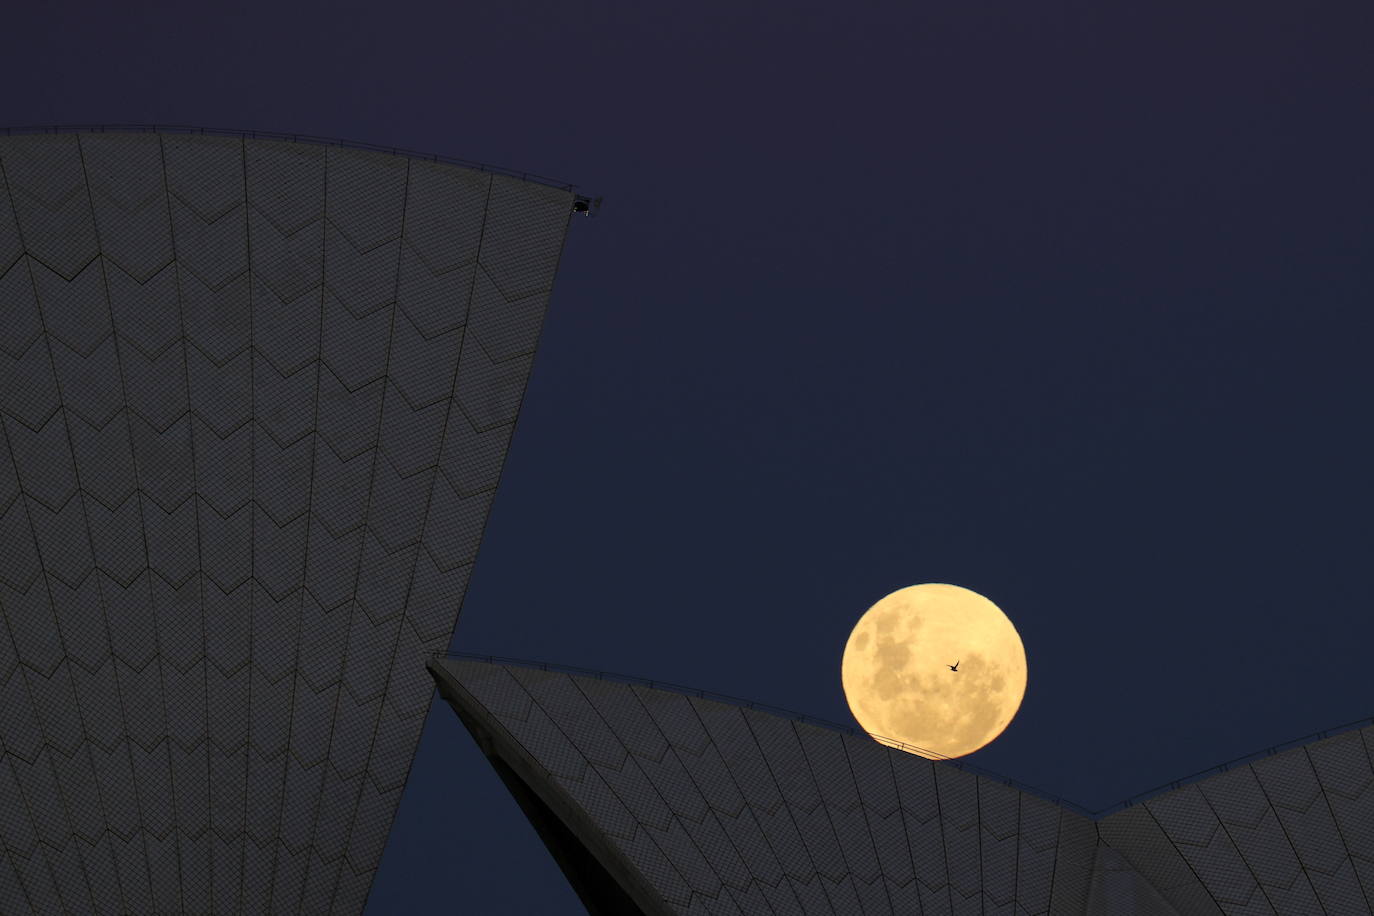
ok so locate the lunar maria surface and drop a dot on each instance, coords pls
(935, 669)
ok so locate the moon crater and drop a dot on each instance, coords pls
(897, 670)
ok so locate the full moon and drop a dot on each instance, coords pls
(935, 669)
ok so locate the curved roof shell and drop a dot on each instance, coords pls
(255, 396)
(701, 806)
(1291, 832)
(659, 801)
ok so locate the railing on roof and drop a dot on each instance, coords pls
(774, 710)
(278, 135)
(958, 764)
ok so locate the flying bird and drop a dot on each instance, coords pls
(955, 666)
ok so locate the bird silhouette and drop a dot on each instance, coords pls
(955, 666)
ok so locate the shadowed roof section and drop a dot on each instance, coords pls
(700, 805)
(255, 398)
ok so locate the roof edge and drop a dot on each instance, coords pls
(1244, 759)
(778, 711)
(1096, 815)
(25, 130)
(497, 744)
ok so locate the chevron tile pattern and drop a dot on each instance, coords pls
(1117, 889)
(725, 809)
(255, 397)
(1289, 833)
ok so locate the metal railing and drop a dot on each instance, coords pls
(279, 135)
(948, 761)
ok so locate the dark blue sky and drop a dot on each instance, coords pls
(1066, 302)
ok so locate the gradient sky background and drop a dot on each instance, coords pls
(1068, 302)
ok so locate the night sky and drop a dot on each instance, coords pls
(1067, 302)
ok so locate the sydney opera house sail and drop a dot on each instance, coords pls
(255, 398)
(699, 806)
(655, 801)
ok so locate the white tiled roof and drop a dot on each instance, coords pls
(719, 807)
(255, 396)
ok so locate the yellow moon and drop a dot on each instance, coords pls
(899, 680)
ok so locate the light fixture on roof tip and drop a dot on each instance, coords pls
(586, 206)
